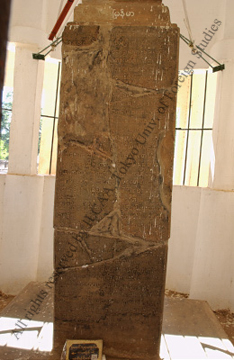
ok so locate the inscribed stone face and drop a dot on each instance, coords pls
(114, 176)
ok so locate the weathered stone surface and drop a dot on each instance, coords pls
(114, 176)
(119, 301)
(130, 47)
(75, 251)
(85, 187)
(127, 12)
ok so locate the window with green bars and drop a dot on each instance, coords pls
(7, 99)
(194, 125)
(49, 118)
(193, 134)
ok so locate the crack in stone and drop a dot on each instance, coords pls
(160, 163)
(130, 251)
(91, 149)
(110, 224)
(106, 34)
(135, 91)
(70, 230)
(86, 249)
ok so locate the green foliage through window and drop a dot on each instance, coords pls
(5, 125)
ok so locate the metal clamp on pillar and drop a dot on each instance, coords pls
(198, 50)
(195, 48)
(41, 56)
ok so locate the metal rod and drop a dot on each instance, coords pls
(207, 54)
(206, 61)
(184, 38)
(189, 119)
(53, 43)
(47, 53)
(193, 129)
(41, 56)
(55, 110)
(202, 131)
(186, 20)
(48, 116)
(61, 19)
(57, 43)
(188, 42)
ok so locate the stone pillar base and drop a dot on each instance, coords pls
(119, 301)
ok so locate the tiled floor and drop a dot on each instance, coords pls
(190, 330)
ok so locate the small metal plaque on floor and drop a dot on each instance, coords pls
(84, 349)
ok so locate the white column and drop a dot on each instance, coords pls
(222, 167)
(212, 278)
(20, 231)
(28, 81)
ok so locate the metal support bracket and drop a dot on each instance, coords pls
(195, 49)
(51, 47)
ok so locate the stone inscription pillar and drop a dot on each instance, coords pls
(114, 175)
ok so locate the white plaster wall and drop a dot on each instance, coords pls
(223, 139)
(201, 247)
(212, 277)
(26, 111)
(26, 230)
(22, 203)
(2, 189)
(28, 22)
(31, 22)
(45, 256)
(201, 16)
(182, 243)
